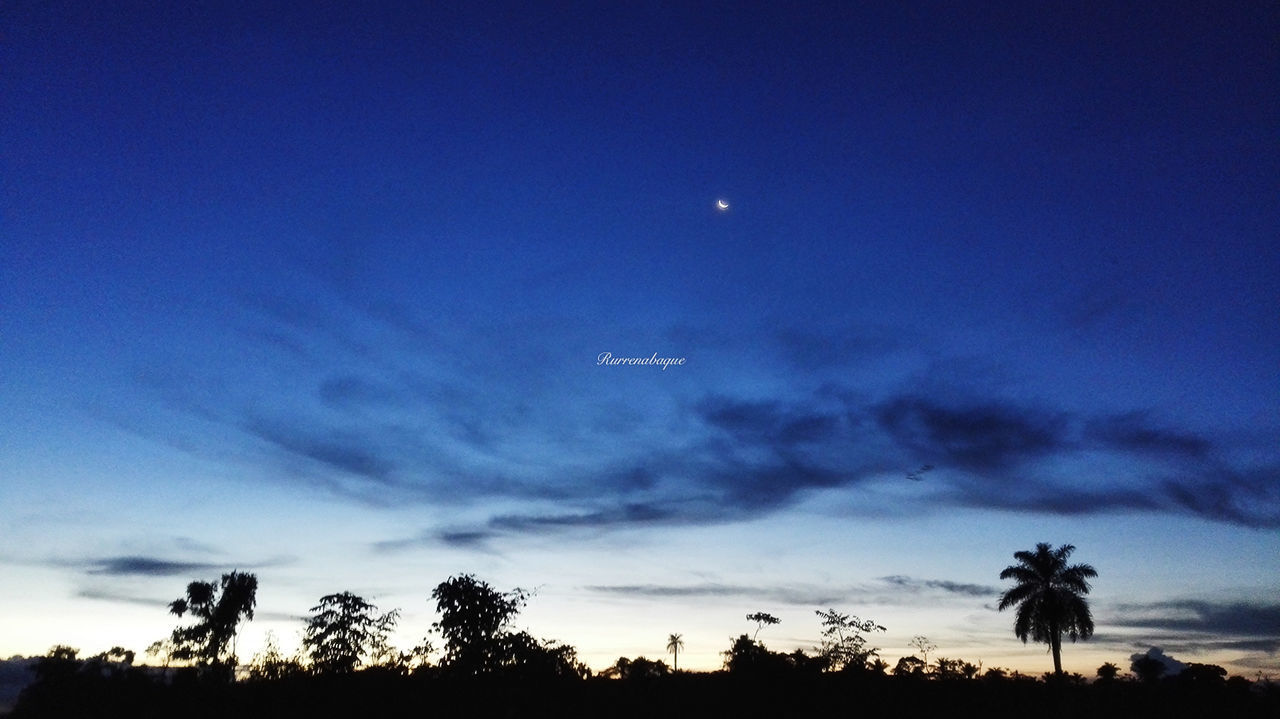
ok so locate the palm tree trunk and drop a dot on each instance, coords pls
(1055, 644)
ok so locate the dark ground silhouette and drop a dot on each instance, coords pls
(373, 693)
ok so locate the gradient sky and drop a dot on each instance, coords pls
(318, 292)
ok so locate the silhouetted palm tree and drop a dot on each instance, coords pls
(1049, 598)
(675, 643)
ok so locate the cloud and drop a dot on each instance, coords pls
(442, 423)
(1051, 498)
(110, 596)
(802, 596)
(1172, 667)
(1250, 619)
(767, 421)
(890, 592)
(147, 566)
(627, 514)
(346, 451)
(138, 565)
(977, 437)
(1133, 432)
(106, 595)
(1250, 498)
(350, 391)
(754, 457)
(817, 349)
(915, 585)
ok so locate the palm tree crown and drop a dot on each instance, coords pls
(1049, 597)
(675, 643)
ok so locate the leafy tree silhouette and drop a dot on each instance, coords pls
(922, 643)
(944, 668)
(638, 668)
(1147, 668)
(1049, 598)
(761, 619)
(909, 666)
(1203, 674)
(843, 643)
(59, 663)
(218, 610)
(675, 642)
(344, 630)
(523, 655)
(746, 656)
(1108, 672)
(474, 620)
(271, 664)
(473, 617)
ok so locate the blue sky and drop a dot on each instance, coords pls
(319, 293)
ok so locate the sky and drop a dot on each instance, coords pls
(320, 291)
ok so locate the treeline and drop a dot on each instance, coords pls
(347, 667)
(139, 693)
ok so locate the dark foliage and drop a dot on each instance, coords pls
(1049, 596)
(217, 610)
(139, 694)
(345, 631)
(475, 622)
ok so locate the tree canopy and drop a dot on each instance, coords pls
(217, 609)
(1049, 596)
(344, 631)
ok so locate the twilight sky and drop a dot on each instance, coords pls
(318, 292)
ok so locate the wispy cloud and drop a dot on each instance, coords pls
(782, 595)
(107, 595)
(1249, 619)
(344, 451)
(885, 590)
(1135, 432)
(915, 585)
(976, 437)
(388, 428)
(150, 566)
(147, 566)
(111, 596)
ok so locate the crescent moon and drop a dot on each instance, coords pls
(722, 204)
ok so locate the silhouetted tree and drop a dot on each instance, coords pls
(523, 655)
(747, 656)
(944, 668)
(806, 664)
(218, 610)
(473, 617)
(1049, 598)
(843, 646)
(909, 666)
(922, 643)
(761, 619)
(161, 649)
(271, 664)
(1203, 674)
(1108, 672)
(638, 668)
(60, 662)
(116, 661)
(344, 630)
(473, 620)
(675, 643)
(995, 674)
